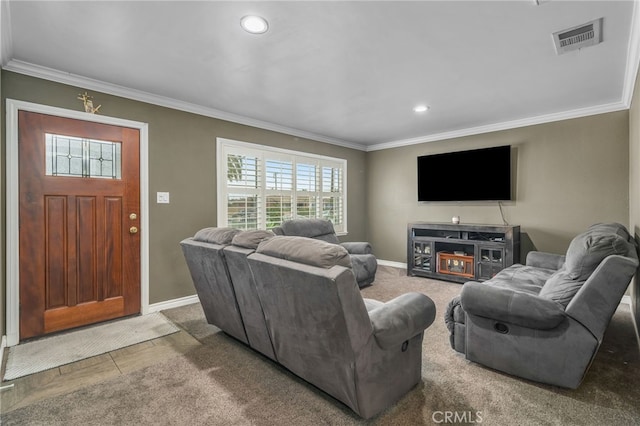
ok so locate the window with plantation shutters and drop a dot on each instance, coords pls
(259, 186)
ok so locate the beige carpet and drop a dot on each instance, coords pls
(222, 382)
(65, 348)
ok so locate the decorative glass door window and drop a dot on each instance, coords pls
(71, 156)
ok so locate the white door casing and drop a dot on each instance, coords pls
(12, 302)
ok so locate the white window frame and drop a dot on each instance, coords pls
(226, 146)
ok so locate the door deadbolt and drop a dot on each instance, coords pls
(133, 216)
(133, 230)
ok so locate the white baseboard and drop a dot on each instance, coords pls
(3, 344)
(174, 303)
(392, 264)
(635, 322)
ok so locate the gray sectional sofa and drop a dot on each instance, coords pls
(545, 320)
(298, 302)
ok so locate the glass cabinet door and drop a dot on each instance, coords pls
(490, 263)
(422, 255)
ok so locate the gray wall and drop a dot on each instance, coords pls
(568, 175)
(182, 159)
(634, 188)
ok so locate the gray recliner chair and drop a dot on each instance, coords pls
(545, 320)
(364, 353)
(363, 261)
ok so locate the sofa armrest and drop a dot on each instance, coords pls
(402, 318)
(357, 248)
(513, 307)
(539, 259)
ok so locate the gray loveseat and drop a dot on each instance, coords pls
(363, 261)
(545, 320)
(296, 300)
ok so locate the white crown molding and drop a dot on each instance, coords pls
(6, 41)
(633, 57)
(631, 72)
(541, 119)
(51, 74)
(633, 61)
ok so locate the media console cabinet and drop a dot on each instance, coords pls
(461, 253)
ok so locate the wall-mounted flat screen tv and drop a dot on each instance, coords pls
(475, 175)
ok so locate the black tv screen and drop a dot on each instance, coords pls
(475, 175)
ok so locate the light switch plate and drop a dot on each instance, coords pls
(163, 198)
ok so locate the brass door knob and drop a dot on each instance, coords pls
(133, 230)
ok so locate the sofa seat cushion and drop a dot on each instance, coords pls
(526, 279)
(221, 236)
(588, 249)
(510, 306)
(251, 239)
(306, 250)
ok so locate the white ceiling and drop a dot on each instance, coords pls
(341, 72)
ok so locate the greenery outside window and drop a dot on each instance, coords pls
(259, 186)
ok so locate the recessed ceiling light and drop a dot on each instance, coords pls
(254, 24)
(420, 108)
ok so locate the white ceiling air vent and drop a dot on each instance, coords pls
(578, 37)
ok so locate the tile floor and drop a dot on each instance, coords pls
(26, 390)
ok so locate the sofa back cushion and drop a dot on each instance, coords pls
(588, 249)
(251, 239)
(315, 316)
(585, 253)
(305, 250)
(319, 229)
(561, 288)
(221, 236)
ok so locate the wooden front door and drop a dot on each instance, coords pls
(79, 196)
